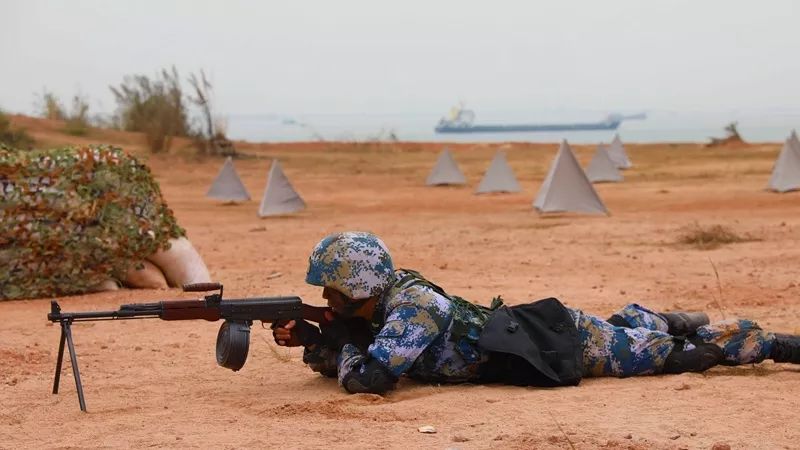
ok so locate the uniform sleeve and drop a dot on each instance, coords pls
(409, 329)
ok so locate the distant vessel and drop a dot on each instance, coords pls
(460, 121)
(637, 116)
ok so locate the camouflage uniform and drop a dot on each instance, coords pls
(416, 331)
(609, 350)
(418, 336)
(75, 217)
(424, 333)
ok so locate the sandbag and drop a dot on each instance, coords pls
(181, 264)
(73, 218)
(145, 276)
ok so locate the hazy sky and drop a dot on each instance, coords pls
(413, 56)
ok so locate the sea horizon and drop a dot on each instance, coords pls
(659, 126)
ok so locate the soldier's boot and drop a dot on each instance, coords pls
(786, 349)
(699, 359)
(679, 323)
(684, 323)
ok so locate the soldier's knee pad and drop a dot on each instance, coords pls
(699, 359)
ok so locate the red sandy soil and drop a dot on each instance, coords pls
(156, 384)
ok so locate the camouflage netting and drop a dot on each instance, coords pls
(71, 218)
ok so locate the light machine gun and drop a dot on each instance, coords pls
(233, 338)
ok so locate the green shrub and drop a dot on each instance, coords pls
(154, 107)
(77, 123)
(50, 106)
(14, 138)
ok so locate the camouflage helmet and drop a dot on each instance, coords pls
(355, 263)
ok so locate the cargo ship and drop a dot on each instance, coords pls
(461, 121)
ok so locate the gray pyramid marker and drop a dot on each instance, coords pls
(601, 168)
(279, 195)
(228, 186)
(566, 187)
(786, 172)
(499, 177)
(616, 151)
(445, 171)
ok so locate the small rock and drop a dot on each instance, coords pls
(628, 436)
(137, 348)
(621, 292)
(720, 446)
(675, 436)
(683, 387)
(427, 429)
(457, 438)
(692, 434)
(274, 275)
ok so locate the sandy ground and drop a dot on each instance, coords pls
(156, 384)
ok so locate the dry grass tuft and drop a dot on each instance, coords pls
(281, 356)
(710, 237)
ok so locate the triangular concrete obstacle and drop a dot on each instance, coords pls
(601, 168)
(566, 187)
(279, 195)
(445, 171)
(499, 177)
(228, 186)
(786, 172)
(616, 151)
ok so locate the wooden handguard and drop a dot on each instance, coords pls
(202, 287)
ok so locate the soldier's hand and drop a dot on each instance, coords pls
(295, 333)
(335, 334)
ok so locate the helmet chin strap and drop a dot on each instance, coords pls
(349, 309)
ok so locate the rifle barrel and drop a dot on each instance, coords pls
(86, 316)
(267, 309)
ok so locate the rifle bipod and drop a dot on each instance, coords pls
(66, 335)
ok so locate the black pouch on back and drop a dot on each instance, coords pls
(534, 344)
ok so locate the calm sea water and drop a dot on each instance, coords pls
(659, 126)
